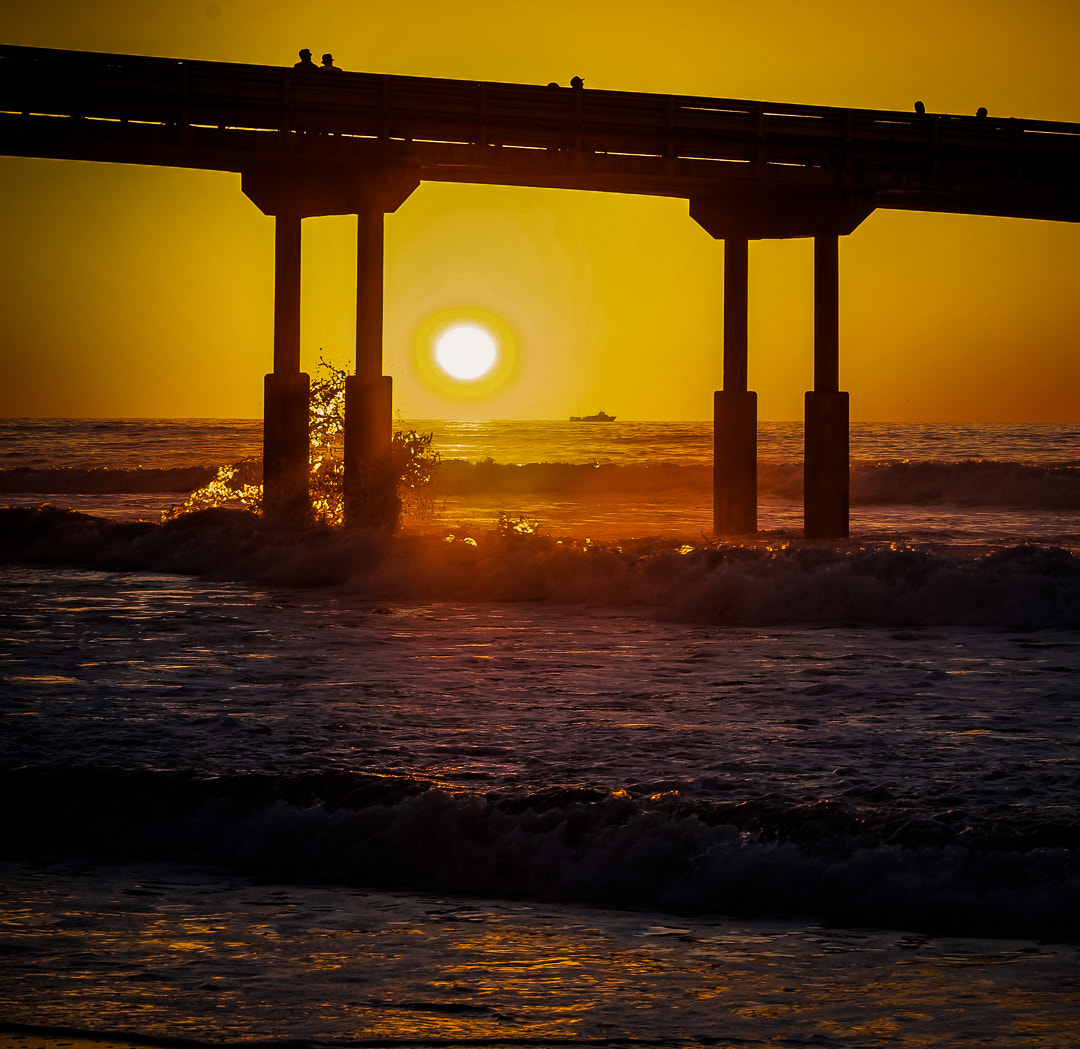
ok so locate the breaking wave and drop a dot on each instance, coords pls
(969, 483)
(850, 861)
(1022, 587)
(975, 482)
(104, 479)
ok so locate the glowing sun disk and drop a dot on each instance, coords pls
(466, 351)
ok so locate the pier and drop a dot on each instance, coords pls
(359, 144)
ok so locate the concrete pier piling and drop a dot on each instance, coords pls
(734, 462)
(368, 393)
(825, 466)
(286, 390)
(370, 484)
(735, 408)
(825, 463)
(285, 447)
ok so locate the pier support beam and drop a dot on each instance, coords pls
(290, 190)
(286, 389)
(735, 408)
(734, 462)
(764, 210)
(825, 466)
(368, 393)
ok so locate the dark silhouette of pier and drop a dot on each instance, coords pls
(360, 143)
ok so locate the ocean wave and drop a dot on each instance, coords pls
(968, 483)
(974, 482)
(104, 479)
(846, 861)
(1024, 587)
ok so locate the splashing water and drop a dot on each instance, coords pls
(410, 470)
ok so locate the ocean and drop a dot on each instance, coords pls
(551, 766)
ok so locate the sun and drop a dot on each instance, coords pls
(466, 352)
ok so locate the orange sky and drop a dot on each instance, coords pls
(129, 291)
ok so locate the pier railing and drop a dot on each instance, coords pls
(860, 147)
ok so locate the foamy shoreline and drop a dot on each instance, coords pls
(773, 580)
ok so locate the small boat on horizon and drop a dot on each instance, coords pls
(599, 417)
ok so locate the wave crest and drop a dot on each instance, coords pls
(1024, 587)
(851, 864)
(974, 482)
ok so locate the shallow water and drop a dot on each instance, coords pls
(573, 785)
(924, 484)
(594, 755)
(193, 953)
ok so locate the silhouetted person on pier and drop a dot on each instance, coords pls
(577, 83)
(920, 109)
(328, 65)
(305, 64)
(981, 113)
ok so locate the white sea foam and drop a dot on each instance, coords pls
(845, 864)
(1020, 587)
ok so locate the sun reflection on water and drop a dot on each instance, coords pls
(183, 955)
